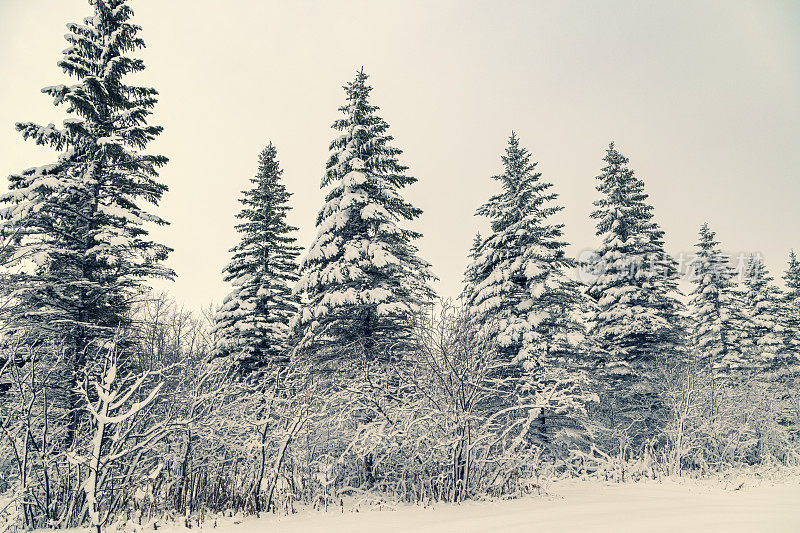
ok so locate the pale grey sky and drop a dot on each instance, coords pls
(703, 97)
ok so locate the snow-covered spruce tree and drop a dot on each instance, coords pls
(520, 291)
(716, 320)
(82, 219)
(362, 279)
(471, 274)
(636, 325)
(791, 309)
(252, 325)
(517, 289)
(763, 338)
(769, 393)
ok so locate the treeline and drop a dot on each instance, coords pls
(338, 374)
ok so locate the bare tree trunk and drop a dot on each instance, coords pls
(294, 428)
(261, 469)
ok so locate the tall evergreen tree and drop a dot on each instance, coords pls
(471, 274)
(791, 308)
(716, 331)
(253, 322)
(716, 312)
(83, 219)
(362, 279)
(519, 291)
(636, 324)
(763, 338)
(520, 296)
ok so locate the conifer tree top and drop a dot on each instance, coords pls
(623, 210)
(362, 274)
(792, 276)
(253, 322)
(108, 127)
(523, 192)
(711, 266)
(83, 218)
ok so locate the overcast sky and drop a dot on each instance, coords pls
(703, 97)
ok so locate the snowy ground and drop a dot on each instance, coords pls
(586, 507)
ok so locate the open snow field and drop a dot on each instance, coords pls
(586, 507)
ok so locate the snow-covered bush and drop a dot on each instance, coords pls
(433, 425)
(120, 432)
